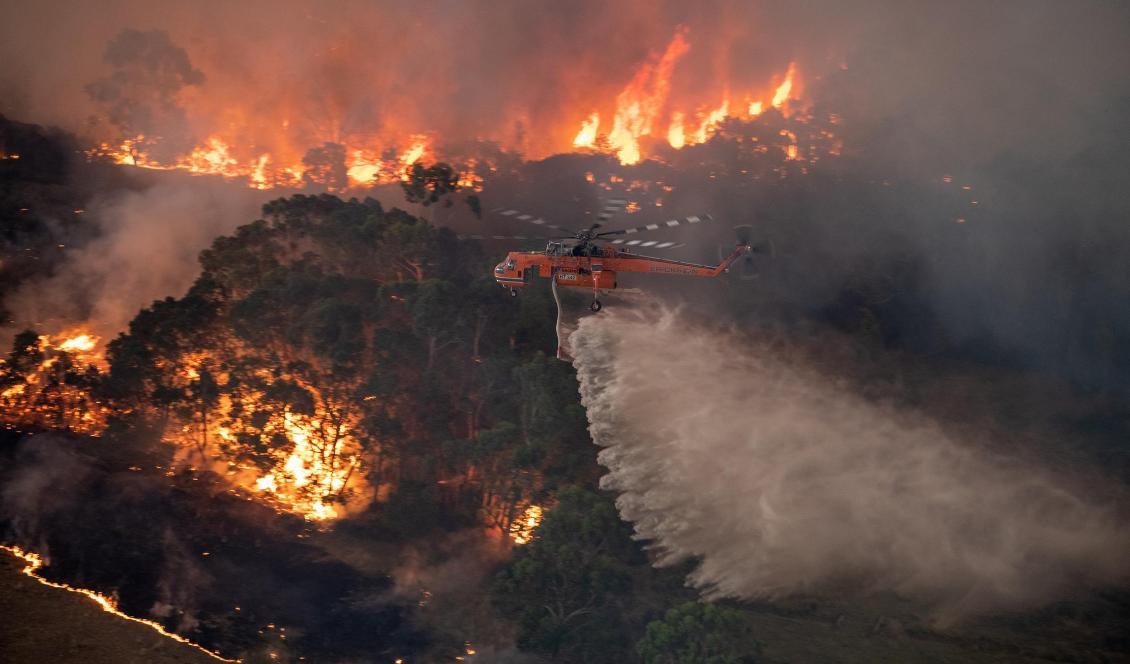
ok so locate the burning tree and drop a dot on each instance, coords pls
(51, 382)
(329, 354)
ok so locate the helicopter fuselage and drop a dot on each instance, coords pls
(590, 266)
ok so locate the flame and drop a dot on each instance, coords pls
(792, 150)
(711, 122)
(33, 562)
(469, 179)
(317, 473)
(676, 136)
(586, 137)
(264, 170)
(47, 395)
(80, 343)
(522, 530)
(259, 178)
(645, 101)
(781, 95)
(307, 481)
(364, 167)
(414, 153)
(214, 157)
(639, 105)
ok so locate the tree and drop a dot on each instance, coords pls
(436, 316)
(563, 588)
(698, 633)
(23, 360)
(325, 165)
(427, 186)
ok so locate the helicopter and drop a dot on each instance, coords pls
(590, 258)
(576, 260)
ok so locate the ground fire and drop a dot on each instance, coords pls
(32, 563)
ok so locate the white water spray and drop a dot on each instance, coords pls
(783, 483)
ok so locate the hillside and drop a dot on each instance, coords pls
(42, 624)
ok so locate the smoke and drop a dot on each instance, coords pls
(182, 581)
(782, 481)
(444, 577)
(50, 473)
(147, 249)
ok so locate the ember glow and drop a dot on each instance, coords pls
(33, 562)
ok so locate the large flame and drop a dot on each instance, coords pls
(308, 479)
(586, 137)
(783, 92)
(315, 468)
(639, 105)
(646, 103)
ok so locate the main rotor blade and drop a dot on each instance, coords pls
(512, 237)
(531, 219)
(650, 244)
(663, 224)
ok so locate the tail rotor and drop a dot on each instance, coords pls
(747, 266)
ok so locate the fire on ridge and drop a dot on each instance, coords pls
(647, 112)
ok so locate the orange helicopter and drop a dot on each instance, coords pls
(577, 261)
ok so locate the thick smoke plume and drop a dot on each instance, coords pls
(147, 249)
(783, 482)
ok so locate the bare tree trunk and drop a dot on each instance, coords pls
(480, 327)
